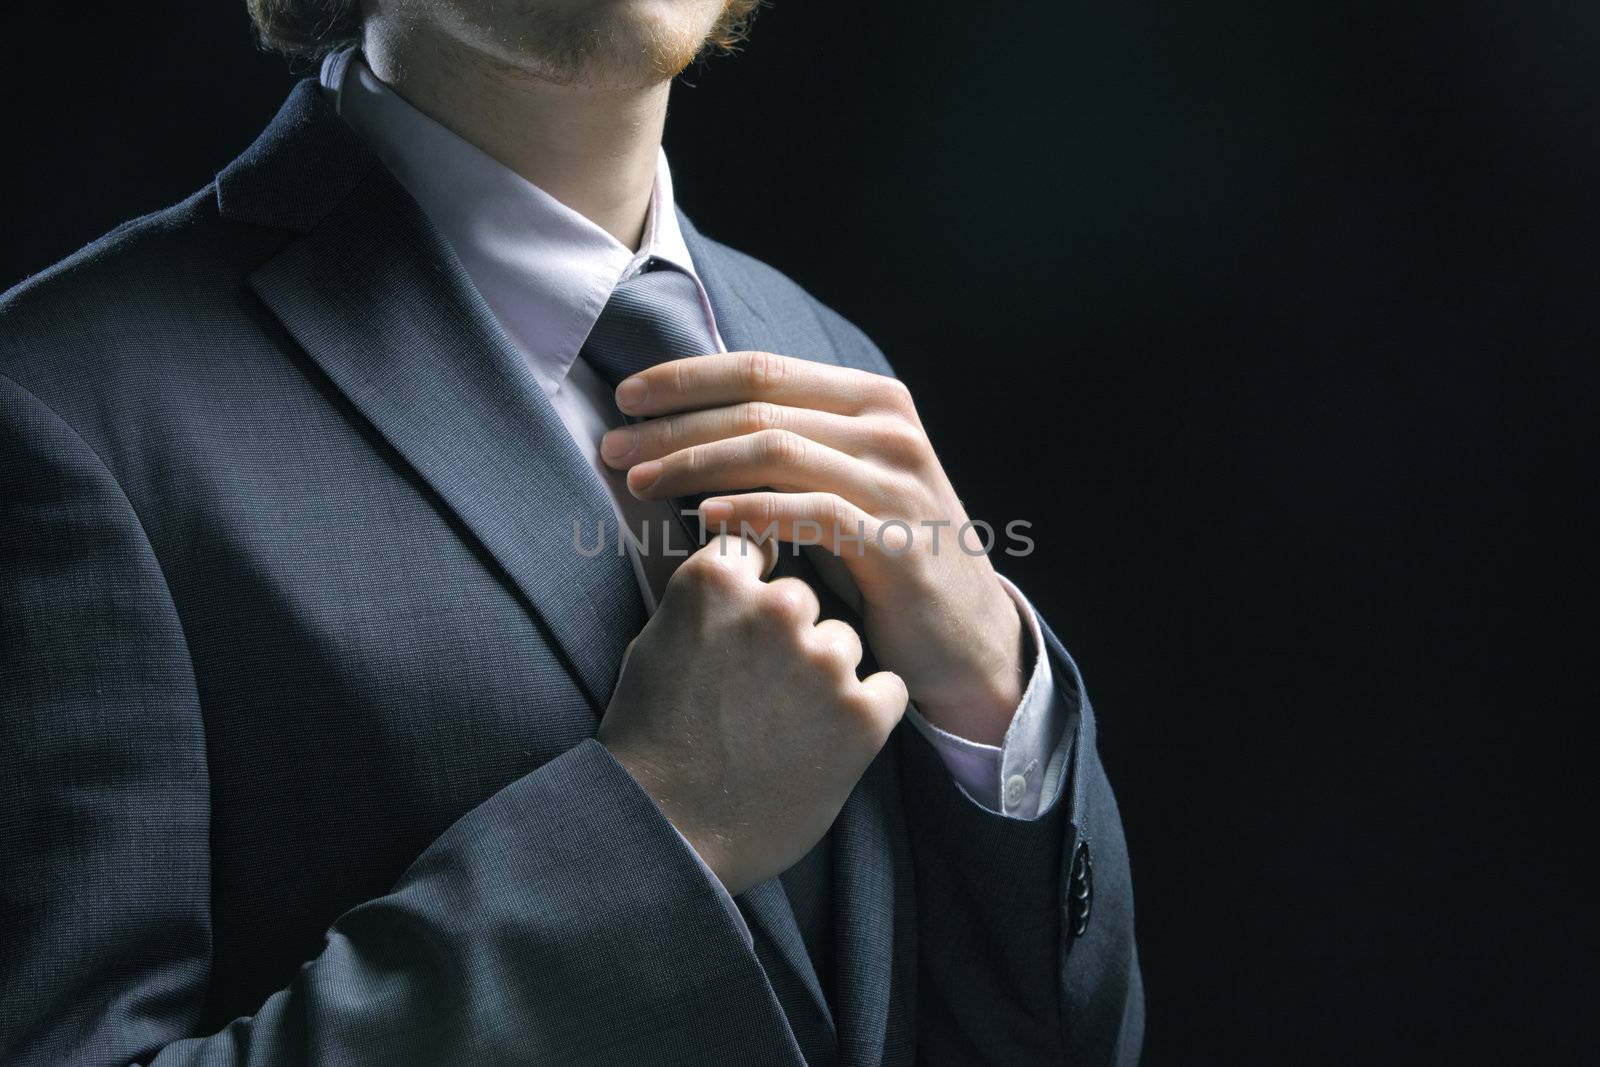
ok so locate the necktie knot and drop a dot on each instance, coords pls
(652, 317)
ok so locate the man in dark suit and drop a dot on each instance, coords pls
(334, 728)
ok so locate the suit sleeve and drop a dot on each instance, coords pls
(1009, 969)
(562, 921)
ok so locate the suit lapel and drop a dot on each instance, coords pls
(866, 919)
(875, 921)
(782, 950)
(384, 308)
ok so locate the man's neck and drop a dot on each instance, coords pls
(592, 149)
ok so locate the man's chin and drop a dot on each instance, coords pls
(628, 51)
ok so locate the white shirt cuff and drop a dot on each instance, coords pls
(1022, 777)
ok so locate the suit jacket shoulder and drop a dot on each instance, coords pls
(136, 313)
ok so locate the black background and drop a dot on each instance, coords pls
(1277, 322)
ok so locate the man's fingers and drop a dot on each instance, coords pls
(800, 597)
(839, 641)
(799, 518)
(727, 558)
(775, 458)
(737, 377)
(650, 439)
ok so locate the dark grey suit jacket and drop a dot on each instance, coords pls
(297, 711)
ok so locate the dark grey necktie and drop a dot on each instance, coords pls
(652, 317)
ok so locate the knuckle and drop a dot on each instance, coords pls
(780, 609)
(837, 647)
(782, 447)
(888, 700)
(775, 608)
(861, 704)
(692, 575)
(823, 656)
(692, 460)
(758, 416)
(762, 510)
(833, 512)
(761, 371)
(840, 519)
(893, 394)
(899, 441)
(668, 432)
(787, 598)
(707, 571)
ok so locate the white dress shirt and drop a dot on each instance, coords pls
(546, 272)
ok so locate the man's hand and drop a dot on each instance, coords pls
(838, 451)
(742, 715)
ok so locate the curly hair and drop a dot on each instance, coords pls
(309, 29)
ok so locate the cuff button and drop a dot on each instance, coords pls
(1080, 892)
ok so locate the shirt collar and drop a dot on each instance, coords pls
(545, 270)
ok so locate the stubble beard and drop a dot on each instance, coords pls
(611, 49)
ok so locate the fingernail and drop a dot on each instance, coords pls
(716, 512)
(619, 443)
(631, 393)
(644, 475)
